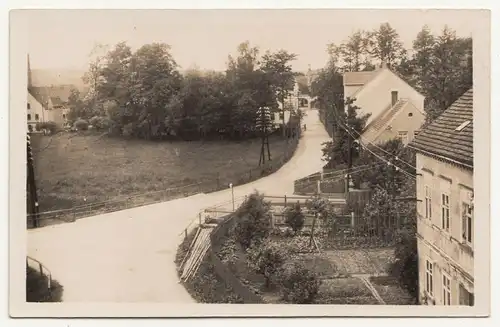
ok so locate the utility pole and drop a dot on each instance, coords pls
(349, 162)
(263, 122)
(33, 211)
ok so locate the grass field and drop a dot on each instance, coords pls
(74, 170)
(389, 289)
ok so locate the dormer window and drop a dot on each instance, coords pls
(29, 106)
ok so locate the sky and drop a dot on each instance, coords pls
(64, 39)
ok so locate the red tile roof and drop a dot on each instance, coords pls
(445, 139)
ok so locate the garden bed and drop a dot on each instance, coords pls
(344, 291)
(391, 292)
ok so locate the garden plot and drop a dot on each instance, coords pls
(390, 291)
(345, 291)
(362, 261)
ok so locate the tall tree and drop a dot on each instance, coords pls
(350, 124)
(354, 52)
(278, 68)
(450, 72)
(423, 48)
(385, 45)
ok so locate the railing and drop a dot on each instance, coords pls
(37, 265)
(140, 199)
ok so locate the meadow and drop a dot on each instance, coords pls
(86, 170)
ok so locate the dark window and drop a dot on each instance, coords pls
(64, 116)
(29, 117)
(410, 114)
(29, 106)
(394, 97)
(37, 117)
(30, 128)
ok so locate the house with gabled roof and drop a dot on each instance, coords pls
(445, 210)
(396, 109)
(46, 103)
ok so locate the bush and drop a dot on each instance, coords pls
(51, 126)
(81, 125)
(266, 259)
(100, 122)
(299, 284)
(294, 217)
(253, 221)
(405, 266)
(128, 130)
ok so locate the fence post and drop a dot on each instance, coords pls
(199, 219)
(285, 200)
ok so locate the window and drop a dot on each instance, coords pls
(403, 136)
(410, 114)
(445, 212)
(465, 297)
(29, 116)
(467, 223)
(64, 116)
(30, 128)
(29, 106)
(446, 290)
(429, 286)
(282, 116)
(428, 202)
(37, 117)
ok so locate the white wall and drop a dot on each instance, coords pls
(35, 108)
(446, 250)
(375, 97)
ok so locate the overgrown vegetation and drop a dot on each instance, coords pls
(405, 267)
(299, 284)
(253, 221)
(267, 259)
(37, 287)
(294, 217)
(50, 126)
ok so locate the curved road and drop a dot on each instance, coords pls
(128, 256)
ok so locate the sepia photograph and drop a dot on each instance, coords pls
(192, 162)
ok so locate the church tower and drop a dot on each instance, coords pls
(29, 74)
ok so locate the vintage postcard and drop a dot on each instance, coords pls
(190, 163)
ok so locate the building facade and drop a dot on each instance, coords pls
(445, 191)
(396, 109)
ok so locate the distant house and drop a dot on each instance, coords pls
(46, 103)
(396, 108)
(445, 191)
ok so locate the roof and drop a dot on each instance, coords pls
(56, 101)
(358, 78)
(448, 136)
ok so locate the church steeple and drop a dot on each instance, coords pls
(29, 73)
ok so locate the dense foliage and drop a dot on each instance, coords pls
(299, 284)
(405, 267)
(266, 259)
(294, 217)
(144, 95)
(50, 126)
(253, 221)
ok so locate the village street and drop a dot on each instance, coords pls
(128, 256)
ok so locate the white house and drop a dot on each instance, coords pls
(445, 220)
(396, 108)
